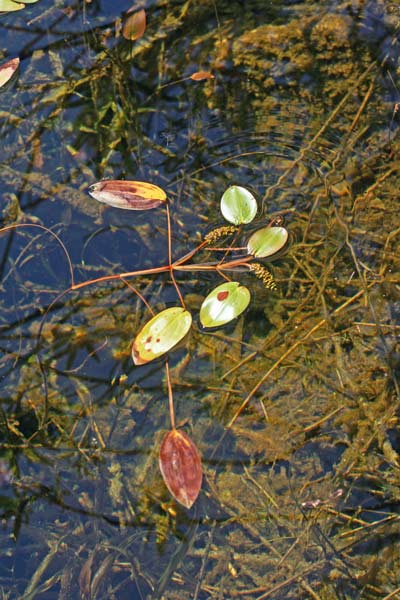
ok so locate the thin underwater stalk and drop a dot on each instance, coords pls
(139, 295)
(189, 255)
(170, 266)
(170, 396)
(220, 266)
(55, 236)
(120, 276)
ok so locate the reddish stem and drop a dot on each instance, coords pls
(170, 397)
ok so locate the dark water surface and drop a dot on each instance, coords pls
(295, 405)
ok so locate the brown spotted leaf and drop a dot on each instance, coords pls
(180, 466)
(159, 335)
(130, 195)
(134, 25)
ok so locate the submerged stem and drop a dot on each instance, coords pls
(170, 397)
(171, 270)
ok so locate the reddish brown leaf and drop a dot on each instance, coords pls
(130, 195)
(134, 25)
(200, 75)
(180, 466)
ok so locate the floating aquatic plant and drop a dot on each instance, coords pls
(180, 462)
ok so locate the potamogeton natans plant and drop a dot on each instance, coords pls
(179, 459)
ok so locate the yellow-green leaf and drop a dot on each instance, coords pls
(160, 334)
(10, 5)
(223, 304)
(238, 205)
(267, 241)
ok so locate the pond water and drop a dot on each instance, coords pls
(294, 406)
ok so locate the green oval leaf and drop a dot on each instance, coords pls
(130, 195)
(223, 304)
(238, 205)
(267, 241)
(160, 334)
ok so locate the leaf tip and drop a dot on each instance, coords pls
(8, 69)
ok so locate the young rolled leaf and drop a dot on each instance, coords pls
(180, 466)
(160, 334)
(134, 25)
(223, 304)
(129, 195)
(8, 69)
(238, 205)
(267, 241)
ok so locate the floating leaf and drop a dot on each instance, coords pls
(180, 466)
(160, 334)
(134, 25)
(10, 5)
(130, 195)
(223, 304)
(238, 205)
(200, 75)
(267, 241)
(7, 70)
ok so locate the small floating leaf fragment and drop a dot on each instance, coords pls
(8, 69)
(267, 241)
(201, 75)
(134, 25)
(238, 205)
(160, 334)
(180, 466)
(223, 304)
(129, 195)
